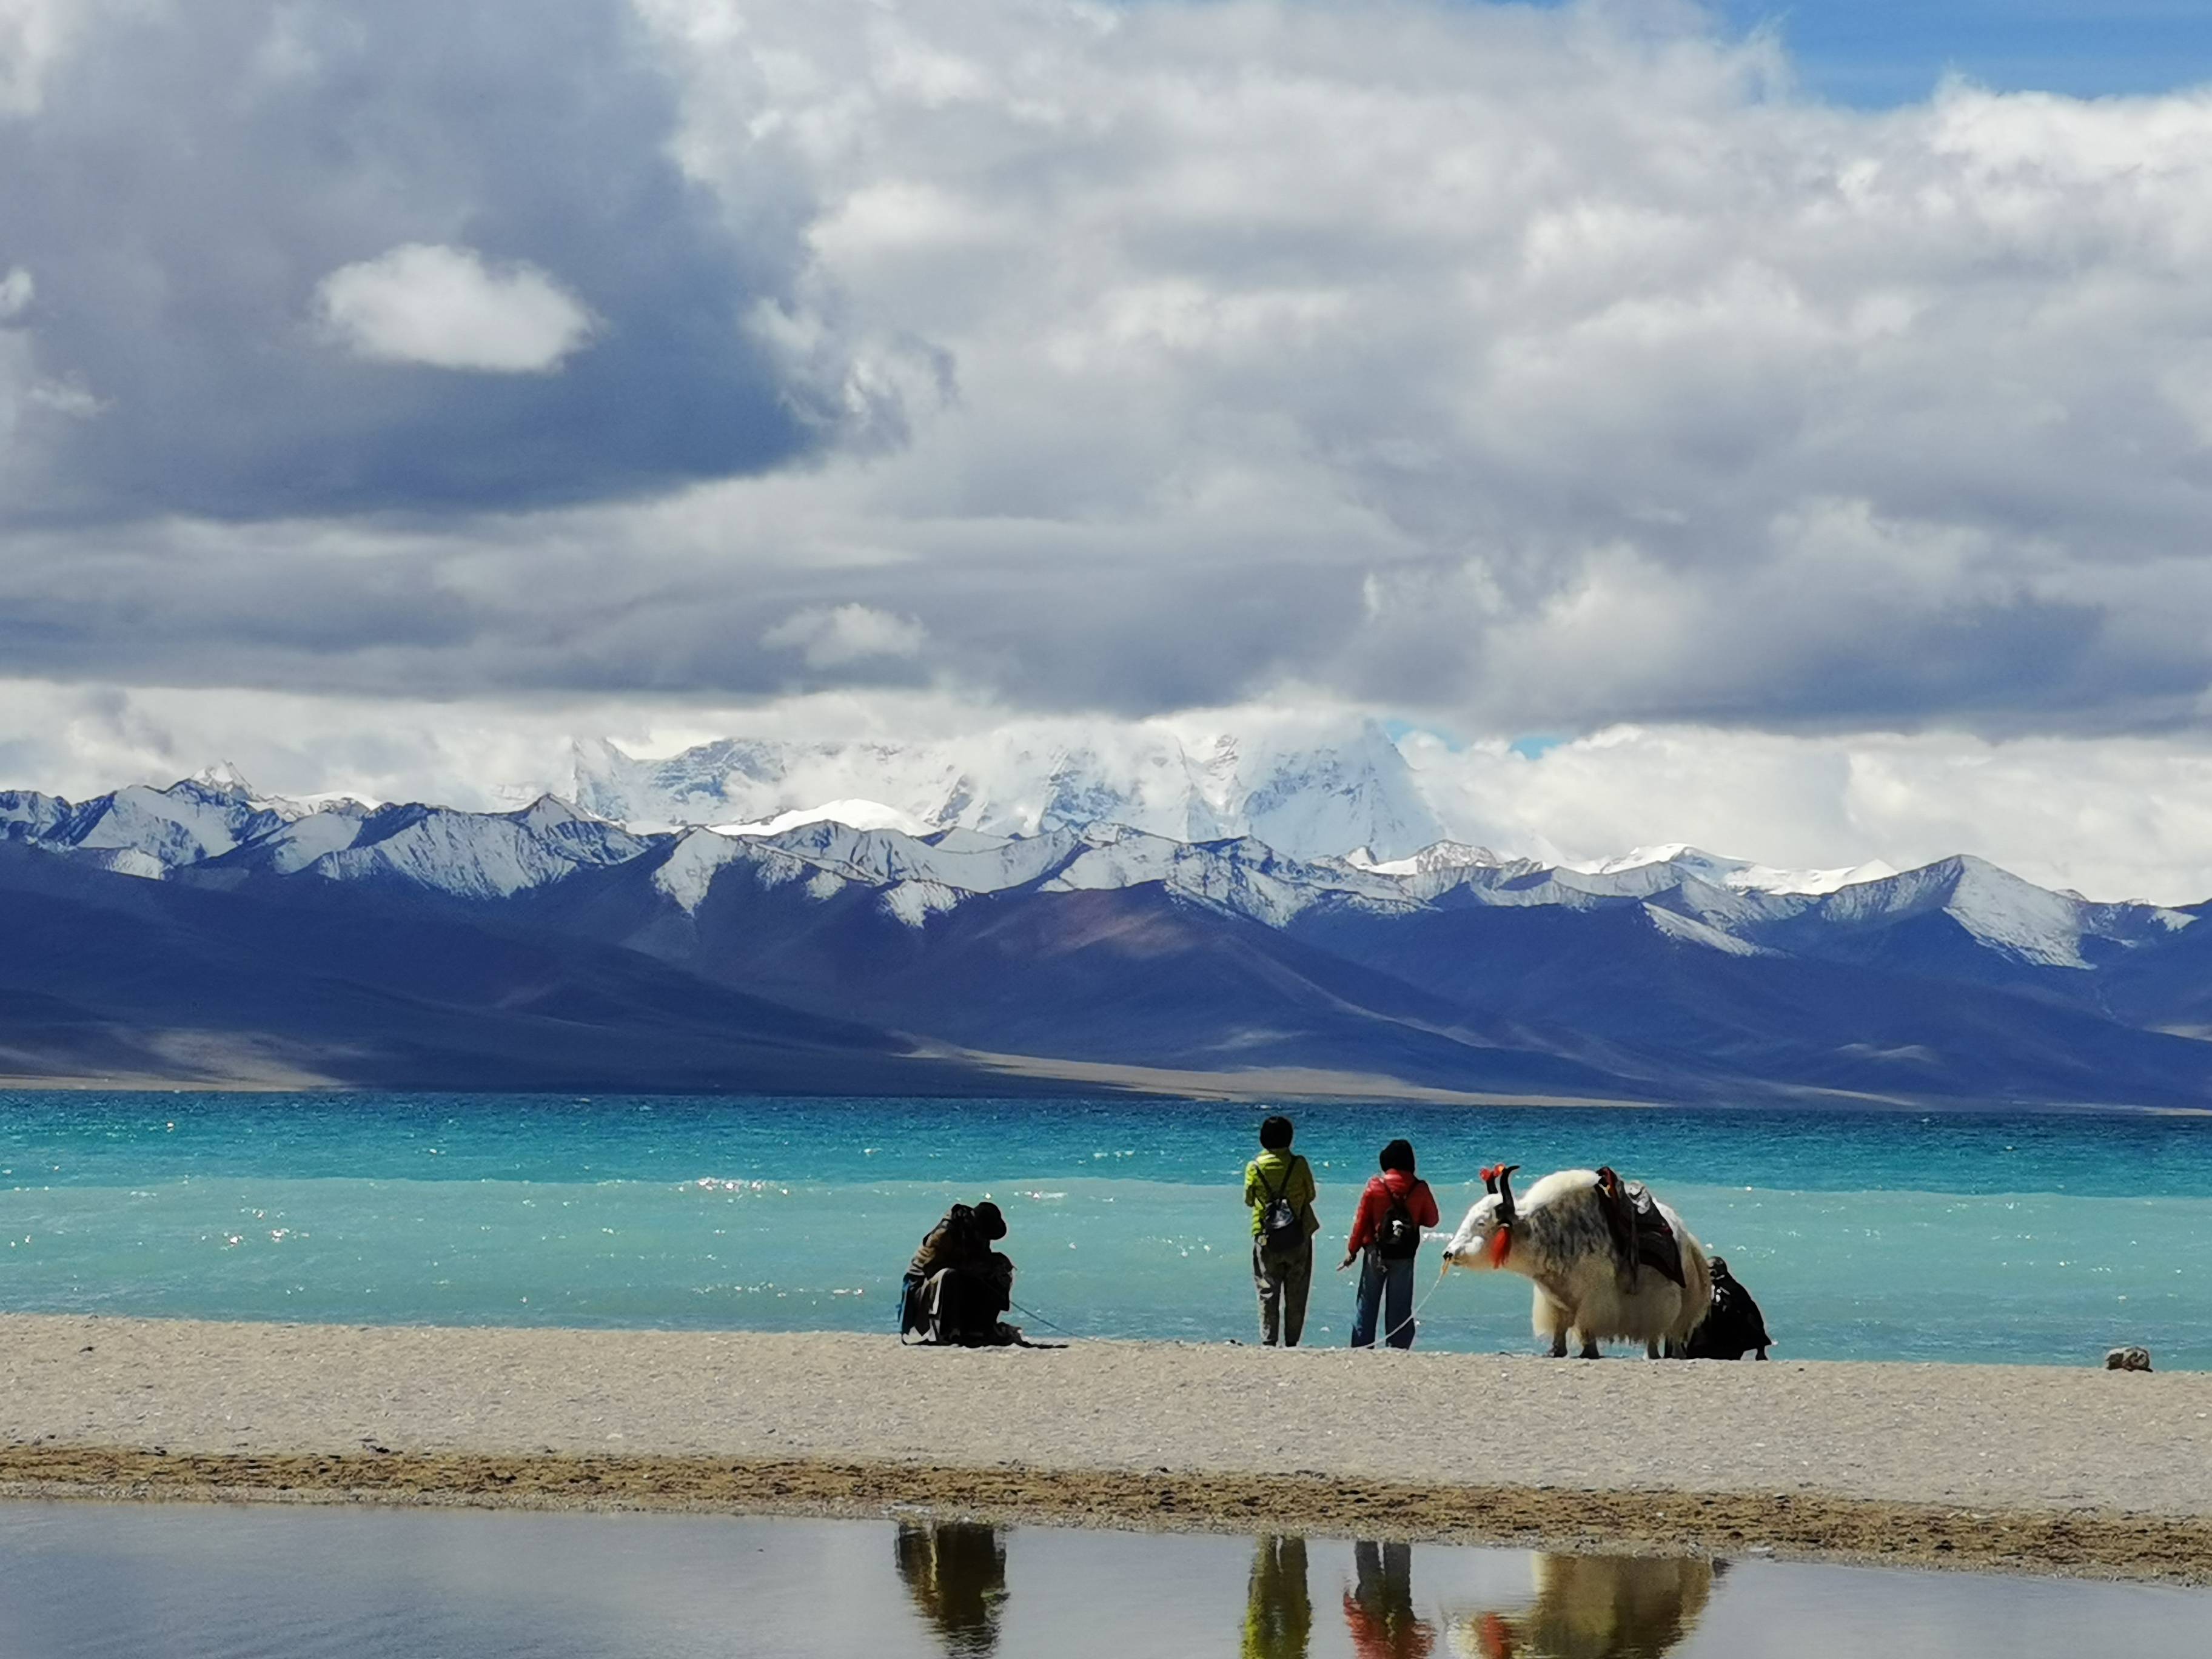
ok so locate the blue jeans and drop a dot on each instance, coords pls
(1387, 1286)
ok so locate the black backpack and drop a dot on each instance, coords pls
(1282, 1229)
(1398, 1236)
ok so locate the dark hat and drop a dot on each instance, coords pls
(992, 1222)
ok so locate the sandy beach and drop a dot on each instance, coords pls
(2017, 1468)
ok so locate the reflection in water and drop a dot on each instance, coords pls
(1378, 1609)
(957, 1573)
(1594, 1607)
(1278, 1610)
(86, 1580)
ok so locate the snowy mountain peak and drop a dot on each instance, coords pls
(853, 814)
(1742, 875)
(1305, 798)
(2002, 910)
(548, 811)
(223, 778)
(1440, 855)
(164, 829)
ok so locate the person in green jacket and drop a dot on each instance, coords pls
(1278, 1188)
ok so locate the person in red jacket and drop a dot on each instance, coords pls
(1386, 1234)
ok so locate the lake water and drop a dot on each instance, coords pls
(95, 1581)
(1882, 1235)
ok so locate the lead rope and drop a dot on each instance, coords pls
(1443, 1267)
(1039, 1317)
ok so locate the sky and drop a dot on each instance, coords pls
(1877, 52)
(1786, 429)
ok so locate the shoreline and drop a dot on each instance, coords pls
(1085, 1079)
(2075, 1544)
(2018, 1469)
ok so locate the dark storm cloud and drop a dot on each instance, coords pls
(193, 172)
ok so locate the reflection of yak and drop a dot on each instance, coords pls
(1594, 1607)
(956, 1574)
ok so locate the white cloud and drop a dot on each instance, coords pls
(33, 33)
(1619, 380)
(17, 290)
(2111, 818)
(68, 398)
(829, 637)
(1842, 476)
(423, 303)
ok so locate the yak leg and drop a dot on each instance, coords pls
(1590, 1347)
(1651, 1349)
(1551, 1318)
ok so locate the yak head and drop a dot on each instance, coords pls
(1485, 1239)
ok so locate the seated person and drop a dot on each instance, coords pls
(1734, 1327)
(958, 1285)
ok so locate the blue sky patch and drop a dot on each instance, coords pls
(1877, 53)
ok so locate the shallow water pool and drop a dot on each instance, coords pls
(81, 1580)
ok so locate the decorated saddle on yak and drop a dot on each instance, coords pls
(1642, 1236)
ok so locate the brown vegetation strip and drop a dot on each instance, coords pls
(2081, 1542)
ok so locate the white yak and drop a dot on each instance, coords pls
(1599, 1274)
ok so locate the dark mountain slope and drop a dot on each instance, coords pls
(101, 970)
(2166, 987)
(1131, 975)
(1614, 977)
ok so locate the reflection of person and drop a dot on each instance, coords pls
(956, 1574)
(958, 1285)
(1386, 1234)
(1378, 1609)
(1278, 1610)
(1279, 1188)
(1595, 1607)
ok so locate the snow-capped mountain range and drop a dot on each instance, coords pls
(1087, 940)
(1308, 798)
(1353, 797)
(216, 821)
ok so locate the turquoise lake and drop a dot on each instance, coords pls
(1883, 1236)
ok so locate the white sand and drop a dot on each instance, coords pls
(2011, 1438)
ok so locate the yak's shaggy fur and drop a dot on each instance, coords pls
(1559, 1238)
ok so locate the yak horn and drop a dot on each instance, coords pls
(1506, 1211)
